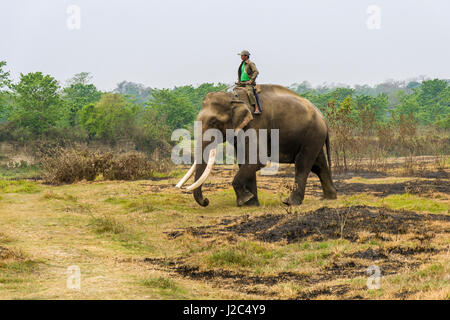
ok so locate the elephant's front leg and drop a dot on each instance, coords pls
(244, 184)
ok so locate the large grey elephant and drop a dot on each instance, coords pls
(303, 133)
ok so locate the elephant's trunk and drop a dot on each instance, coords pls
(198, 195)
(201, 174)
(199, 169)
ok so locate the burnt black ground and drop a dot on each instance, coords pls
(418, 187)
(357, 224)
(322, 224)
(318, 225)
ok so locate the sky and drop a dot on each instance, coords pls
(169, 43)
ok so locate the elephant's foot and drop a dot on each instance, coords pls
(253, 202)
(293, 201)
(330, 195)
(244, 198)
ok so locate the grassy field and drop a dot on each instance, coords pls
(146, 240)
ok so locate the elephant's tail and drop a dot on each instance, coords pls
(327, 144)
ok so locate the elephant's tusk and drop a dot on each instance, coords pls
(186, 176)
(199, 182)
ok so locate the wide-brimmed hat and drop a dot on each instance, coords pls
(244, 53)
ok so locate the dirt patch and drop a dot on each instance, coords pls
(5, 253)
(243, 281)
(170, 187)
(223, 175)
(384, 189)
(332, 290)
(369, 254)
(402, 295)
(10, 254)
(436, 175)
(325, 223)
(356, 224)
(158, 188)
(194, 272)
(251, 284)
(408, 251)
(386, 252)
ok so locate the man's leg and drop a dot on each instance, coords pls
(252, 98)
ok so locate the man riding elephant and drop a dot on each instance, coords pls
(247, 74)
(303, 134)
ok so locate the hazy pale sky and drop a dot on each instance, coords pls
(175, 42)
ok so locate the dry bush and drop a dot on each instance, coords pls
(128, 166)
(408, 142)
(11, 254)
(342, 126)
(162, 166)
(386, 136)
(367, 145)
(69, 165)
(440, 162)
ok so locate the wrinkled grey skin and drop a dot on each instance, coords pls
(303, 133)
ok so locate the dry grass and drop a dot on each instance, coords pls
(110, 228)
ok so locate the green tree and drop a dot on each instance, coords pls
(5, 82)
(151, 131)
(301, 88)
(78, 94)
(136, 91)
(197, 94)
(37, 105)
(111, 118)
(80, 78)
(4, 76)
(408, 105)
(177, 108)
(434, 99)
(413, 85)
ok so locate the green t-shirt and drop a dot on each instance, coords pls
(244, 75)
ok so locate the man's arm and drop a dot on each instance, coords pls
(255, 72)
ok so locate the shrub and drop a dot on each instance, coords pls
(128, 166)
(68, 165)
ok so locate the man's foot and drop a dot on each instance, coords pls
(257, 112)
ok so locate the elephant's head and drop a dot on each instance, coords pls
(221, 111)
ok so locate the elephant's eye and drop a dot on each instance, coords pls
(213, 122)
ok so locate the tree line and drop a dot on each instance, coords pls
(426, 101)
(38, 107)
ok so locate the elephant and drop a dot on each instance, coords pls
(303, 133)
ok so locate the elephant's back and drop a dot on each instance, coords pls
(299, 122)
(281, 102)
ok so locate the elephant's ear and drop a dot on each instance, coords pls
(240, 114)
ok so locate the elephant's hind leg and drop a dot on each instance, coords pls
(320, 168)
(303, 164)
